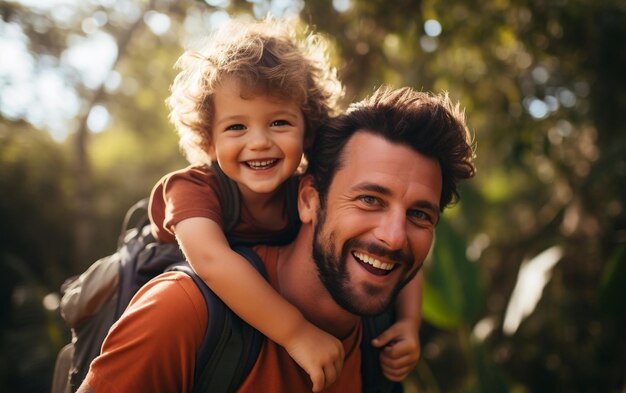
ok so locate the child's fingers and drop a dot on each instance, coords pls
(330, 375)
(385, 337)
(318, 379)
(326, 378)
(396, 374)
(403, 360)
(338, 364)
(398, 360)
(332, 372)
(326, 375)
(402, 348)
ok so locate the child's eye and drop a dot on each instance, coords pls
(279, 123)
(236, 127)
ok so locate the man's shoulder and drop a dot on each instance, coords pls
(166, 319)
(173, 282)
(171, 292)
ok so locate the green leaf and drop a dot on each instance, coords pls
(453, 289)
(436, 310)
(612, 289)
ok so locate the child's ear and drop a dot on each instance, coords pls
(308, 200)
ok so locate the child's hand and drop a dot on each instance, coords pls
(320, 354)
(401, 349)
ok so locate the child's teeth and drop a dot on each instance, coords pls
(261, 164)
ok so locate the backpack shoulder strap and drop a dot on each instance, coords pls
(373, 380)
(141, 207)
(229, 198)
(230, 346)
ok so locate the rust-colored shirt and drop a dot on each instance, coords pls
(152, 347)
(193, 192)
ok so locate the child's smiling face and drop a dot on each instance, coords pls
(257, 138)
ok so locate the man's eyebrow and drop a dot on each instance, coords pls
(372, 187)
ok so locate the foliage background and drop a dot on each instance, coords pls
(544, 88)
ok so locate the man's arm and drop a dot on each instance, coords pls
(152, 347)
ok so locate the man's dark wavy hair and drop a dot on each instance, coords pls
(428, 123)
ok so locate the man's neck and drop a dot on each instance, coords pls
(300, 284)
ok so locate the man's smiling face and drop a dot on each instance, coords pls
(377, 224)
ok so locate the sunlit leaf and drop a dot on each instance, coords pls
(533, 276)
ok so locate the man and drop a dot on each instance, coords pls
(379, 177)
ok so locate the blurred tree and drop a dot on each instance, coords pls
(34, 201)
(36, 236)
(544, 90)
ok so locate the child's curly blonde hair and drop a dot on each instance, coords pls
(269, 56)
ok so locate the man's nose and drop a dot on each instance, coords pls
(391, 229)
(259, 139)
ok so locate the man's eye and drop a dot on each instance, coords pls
(420, 215)
(369, 200)
(279, 123)
(236, 127)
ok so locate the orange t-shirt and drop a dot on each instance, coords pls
(152, 347)
(193, 192)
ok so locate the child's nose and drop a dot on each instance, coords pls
(259, 139)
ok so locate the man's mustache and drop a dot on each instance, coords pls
(377, 250)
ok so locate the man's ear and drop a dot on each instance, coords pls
(308, 200)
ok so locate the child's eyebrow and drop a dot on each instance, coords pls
(243, 117)
(228, 119)
(287, 112)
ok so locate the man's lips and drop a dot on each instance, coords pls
(372, 264)
(261, 164)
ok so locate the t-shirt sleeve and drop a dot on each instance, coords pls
(191, 192)
(152, 347)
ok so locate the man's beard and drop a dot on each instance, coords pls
(332, 271)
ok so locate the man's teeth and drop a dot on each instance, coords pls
(261, 164)
(373, 261)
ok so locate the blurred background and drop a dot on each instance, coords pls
(526, 288)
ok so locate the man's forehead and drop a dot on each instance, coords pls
(357, 143)
(369, 159)
(367, 146)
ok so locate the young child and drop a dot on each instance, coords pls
(249, 101)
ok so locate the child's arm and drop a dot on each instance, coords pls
(251, 297)
(401, 343)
